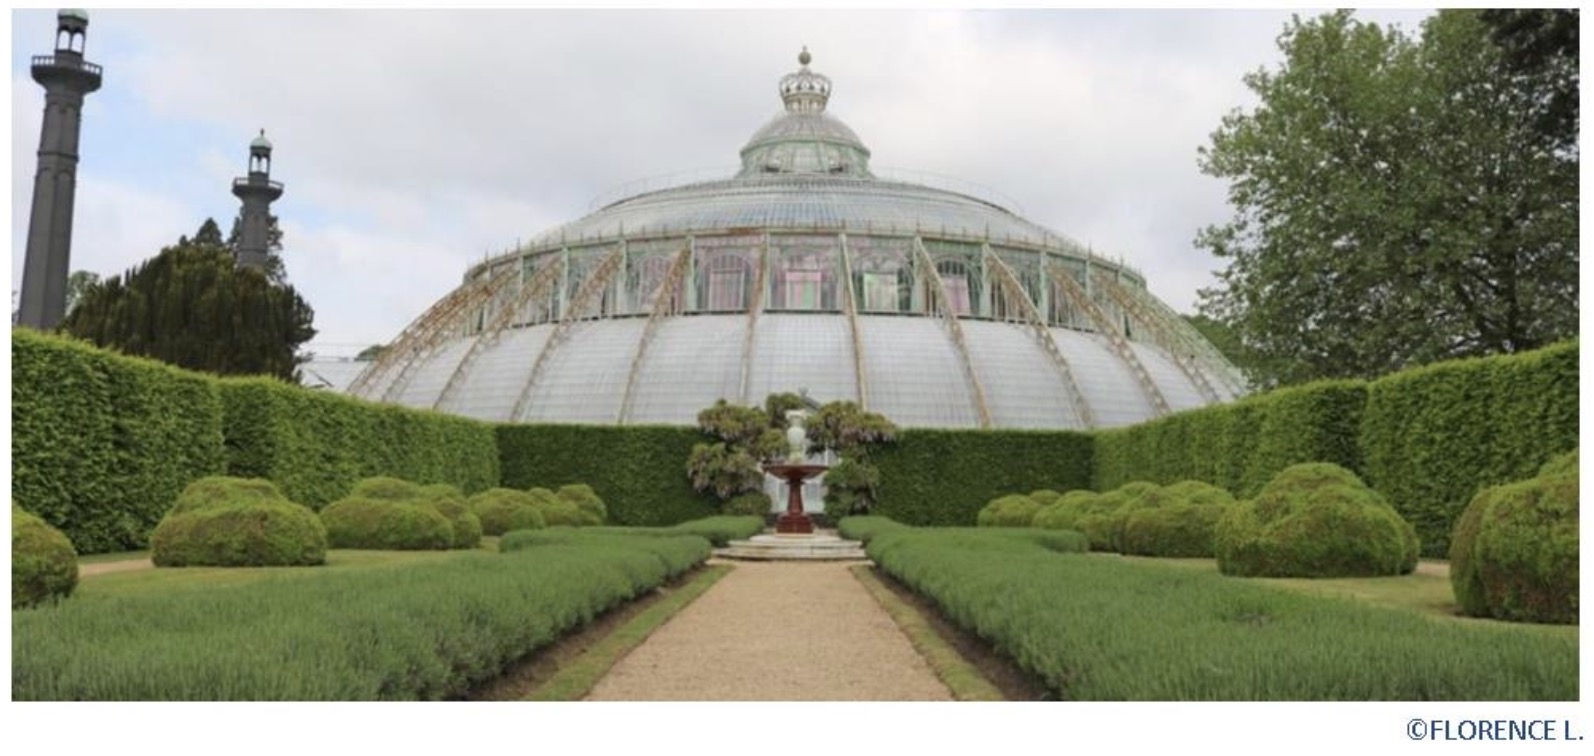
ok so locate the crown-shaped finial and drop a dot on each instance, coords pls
(805, 91)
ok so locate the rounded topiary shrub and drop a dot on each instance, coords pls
(43, 562)
(1011, 511)
(222, 489)
(556, 511)
(384, 487)
(360, 523)
(1104, 522)
(1066, 511)
(1566, 463)
(1514, 552)
(1314, 520)
(240, 533)
(586, 500)
(451, 504)
(1045, 497)
(504, 509)
(1181, 526)
(755, 503)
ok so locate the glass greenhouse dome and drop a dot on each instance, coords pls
(803, 271)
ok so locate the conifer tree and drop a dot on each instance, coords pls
(191, 306)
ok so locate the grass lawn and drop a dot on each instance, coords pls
(1422, 592)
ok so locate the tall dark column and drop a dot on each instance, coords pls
(66, 78)
(257, 191)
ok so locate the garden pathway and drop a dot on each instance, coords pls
(776, 631)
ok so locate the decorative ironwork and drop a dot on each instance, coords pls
(754, 307)
(539, 285)
(428, 343)
(412, 335)
(1014, 296)
(576, 312)
(852, 325)
(1159, 334)
(670, 300)
(944, 308)
(1114, 334)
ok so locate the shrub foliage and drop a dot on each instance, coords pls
(944, 477)
(1315, 520)
(101, 443)
(634, 469)
(316, 446)
(43, 562)
(1514, 554)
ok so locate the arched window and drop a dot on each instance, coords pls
(805, 282)
(647, 277)
(724, 284)
(955, 277)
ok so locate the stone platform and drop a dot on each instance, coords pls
(807, 547)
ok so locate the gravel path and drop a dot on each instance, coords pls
(776, 631)
(105, 568)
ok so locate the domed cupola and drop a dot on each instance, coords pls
(804, 139)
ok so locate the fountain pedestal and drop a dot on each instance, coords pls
(794, 519)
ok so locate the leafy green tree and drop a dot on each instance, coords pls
(1541, 44)
(371, 353)
(76, 284)
(193, 307)
(1396, 204)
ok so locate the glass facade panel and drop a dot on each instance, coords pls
(794, 351)
(937, 395)
(1022, 386)
(690, 362)
(585, 377)
(493, 382)
(1110, 388)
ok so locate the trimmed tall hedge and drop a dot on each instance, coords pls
(944, 477)
(316, 445)
(1434, 436)
(1239, 446)
(101, 443)
(639, 471)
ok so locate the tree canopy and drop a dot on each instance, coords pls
(193, 307)
(1397, 202)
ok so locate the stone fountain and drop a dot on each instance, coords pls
(794, 538)
(795, 470)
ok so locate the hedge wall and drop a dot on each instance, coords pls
(638, 470)
(944, 477)
(315, 445)
(1238, 446)
(1434, 436)
(101, 443)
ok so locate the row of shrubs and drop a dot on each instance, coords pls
(1311, 520)
(403, 632)
(1078, 624)
(222, 521)
(1513, 555)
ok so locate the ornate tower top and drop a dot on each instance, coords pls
(805, 91)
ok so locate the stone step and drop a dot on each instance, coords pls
(806, 547)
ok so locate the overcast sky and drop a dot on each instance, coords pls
(414, 142)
